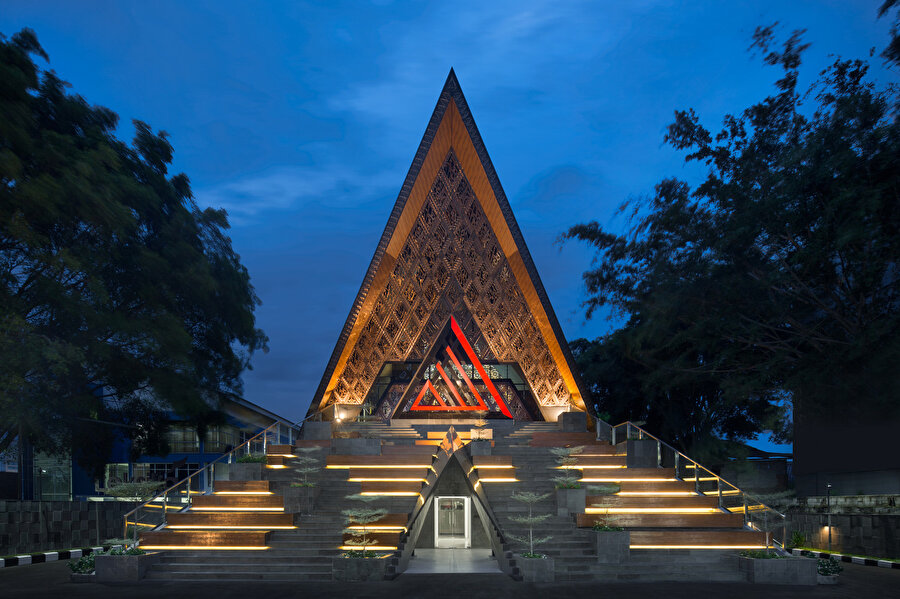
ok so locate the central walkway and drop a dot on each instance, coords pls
(453, 561)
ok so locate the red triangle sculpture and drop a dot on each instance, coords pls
(462, 406)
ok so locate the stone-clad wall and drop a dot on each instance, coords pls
(30, 526)
(874, 535)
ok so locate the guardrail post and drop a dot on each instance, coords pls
(291, 435)
(677, 456)
(613, 436)
(658, 454)
(265, 436)
(628, 431)
(696, 479)
(746, 511)
(719, 489)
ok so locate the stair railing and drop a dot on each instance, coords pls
(757, 515)
(152, 514)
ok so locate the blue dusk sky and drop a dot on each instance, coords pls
(301, 119)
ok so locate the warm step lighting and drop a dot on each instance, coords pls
(656, 493)
(613, 479)
(381, 466)
(498, 480)
(391, 493)
(225, 527)
(204, 547)
(577, 467)
(697, 546)
(237, 509)
(243, 493)
(388, 527)
(652, 510)
(386, 480)
(368, 548)
(729, 492)
(275, 466)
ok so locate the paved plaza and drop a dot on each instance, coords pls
(52, 581)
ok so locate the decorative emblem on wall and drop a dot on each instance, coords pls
(463, 398)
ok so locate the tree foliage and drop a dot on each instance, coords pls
(777, 277)
(118, 295)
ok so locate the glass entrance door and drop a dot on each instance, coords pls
(452, 522)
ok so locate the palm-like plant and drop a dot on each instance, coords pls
(306, 464)
(566, 457)
(530, 499)
(358, 520)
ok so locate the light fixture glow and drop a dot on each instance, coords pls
(368, 548)
(612, 479)
(381, 466)
(275, 466)
(656, 493)
(577, 467)
(652, 510)
(243, 493)
(226, 527)
(378, 527)
(237, 509)
(385, 480)
(204, 547)
(697, 546)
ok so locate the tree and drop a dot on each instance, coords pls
(530, 499)
(358, 521)
(777, 277)
(116, 290)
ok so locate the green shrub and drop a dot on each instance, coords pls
(603, 526)
(82, 565)
(760, 554)
(797, 539)
(252, 458)
(828, 567)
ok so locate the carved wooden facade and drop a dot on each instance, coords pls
(451, 247)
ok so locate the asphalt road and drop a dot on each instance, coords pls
(52, 581)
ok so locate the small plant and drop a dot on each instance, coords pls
(566, 457)
(142, 491)
(252, 458)
(760, 554)
(82, 565)
(602, 524)
(358, 520)
(828, 567)
(530, 499)
(305, 465)
(797, 539)
(604, 489)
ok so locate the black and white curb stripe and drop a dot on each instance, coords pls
(50, 556)
(850, 559)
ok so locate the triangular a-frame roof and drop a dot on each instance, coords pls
(451, 153)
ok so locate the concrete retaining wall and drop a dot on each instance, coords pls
(874, 535)
(29, 526)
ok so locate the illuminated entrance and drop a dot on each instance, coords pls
(452, 522)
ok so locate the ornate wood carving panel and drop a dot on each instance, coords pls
(451, 263)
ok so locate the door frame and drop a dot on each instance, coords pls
(467, 516)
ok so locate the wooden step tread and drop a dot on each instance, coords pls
(229, 519)
(698, 538)
(381, 461)
(650, 501)
(242, 486)
(389, 473)
(711, 520)
(172, 539)
(265, 502)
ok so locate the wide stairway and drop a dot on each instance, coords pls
(676, 534)
(265, 530)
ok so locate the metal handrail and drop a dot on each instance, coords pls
(208, 467)
(697, 466)
(164, 493)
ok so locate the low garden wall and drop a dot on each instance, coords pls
(873, 535)
(30, 526)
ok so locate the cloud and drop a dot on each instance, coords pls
(334, 187)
